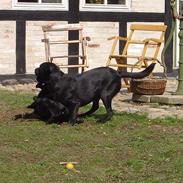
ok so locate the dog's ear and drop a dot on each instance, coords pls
(54, 68)
(37, 71)
(62, 73)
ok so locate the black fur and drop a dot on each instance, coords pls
(49, 110)
(91, 86)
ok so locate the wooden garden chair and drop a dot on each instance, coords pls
(57, 38)
(120, 60)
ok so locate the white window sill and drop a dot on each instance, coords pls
(40, 7)
(105, 8)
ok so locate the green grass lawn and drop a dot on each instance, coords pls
(128, 149)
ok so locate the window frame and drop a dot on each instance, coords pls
(40, 6)
(105, 7)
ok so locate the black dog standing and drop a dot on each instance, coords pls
(76, 91)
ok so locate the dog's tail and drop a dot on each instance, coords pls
(138, 75)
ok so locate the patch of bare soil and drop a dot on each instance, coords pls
(9, 114)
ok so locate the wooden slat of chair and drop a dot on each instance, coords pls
(71, 66)
(147, 27)
(54, 27)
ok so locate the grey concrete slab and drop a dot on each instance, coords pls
(161, 99)
(141, 98)
(167, 99)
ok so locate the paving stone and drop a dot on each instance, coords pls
(9, 82)
(179, 115)
(167, 99)
(26, 81)
(141, 98)
(166, 105)
(132, 110)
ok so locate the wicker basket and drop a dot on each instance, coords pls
(148, 86)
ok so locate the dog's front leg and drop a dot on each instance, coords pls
(73, 110)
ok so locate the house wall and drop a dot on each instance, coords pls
(148, 6)
(5, 4)
(7, 47)
(35, 53)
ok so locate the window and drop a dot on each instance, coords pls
(105, 5)
(105, 1)
(40, 4)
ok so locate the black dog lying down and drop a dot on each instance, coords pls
(46, 110)
(76, 91)
(49, 110)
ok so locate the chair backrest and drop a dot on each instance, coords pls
(125, 59)
(145, 29)
(60, 38)
(68, 27)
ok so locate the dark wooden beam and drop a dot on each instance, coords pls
(122, 33)
(34, 15)
(20, 47)
(121, 17)
(73, 49)
(73, 15)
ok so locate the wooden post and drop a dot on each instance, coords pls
(20, 47)
(73, 49)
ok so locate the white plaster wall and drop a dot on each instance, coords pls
(148, 5)
(7, 47)
(136, 5)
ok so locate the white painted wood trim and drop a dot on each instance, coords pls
(104, 7)
(40, 6)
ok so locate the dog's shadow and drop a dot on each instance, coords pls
(98, 118)
(31, 116)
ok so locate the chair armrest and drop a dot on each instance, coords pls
(153, 40)
(117, 37)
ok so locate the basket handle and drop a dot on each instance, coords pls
(164, 68)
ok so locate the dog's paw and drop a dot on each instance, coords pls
(78, 121)
(18, 116)
(104, 119)
(101, 120)
(29, 106)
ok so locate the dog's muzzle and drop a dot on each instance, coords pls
(40, 85)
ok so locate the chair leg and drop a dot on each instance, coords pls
(127, 84)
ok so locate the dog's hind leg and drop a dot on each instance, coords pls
(73, 110)
(107, 100)
(94, 107)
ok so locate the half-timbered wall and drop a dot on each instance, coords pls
(21, 34)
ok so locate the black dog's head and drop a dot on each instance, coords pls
(43, 73)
